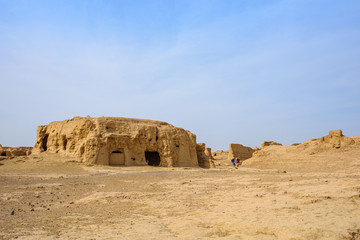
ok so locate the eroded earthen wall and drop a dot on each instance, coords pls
(125, 141)
(239, 151)
(204, 159)
(336, 139)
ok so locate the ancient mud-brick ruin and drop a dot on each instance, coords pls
(270, 143)
(119, 141)
(10, 152)
(336, 139)
(204, 156)
(239, 151)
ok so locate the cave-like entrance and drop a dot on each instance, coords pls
(152, 158)
(44, 142)
(117, 157)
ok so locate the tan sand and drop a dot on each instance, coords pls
(54, 199)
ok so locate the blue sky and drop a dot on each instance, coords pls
(228, 71)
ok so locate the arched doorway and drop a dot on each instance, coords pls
(117, 157)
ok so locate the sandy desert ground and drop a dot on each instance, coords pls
(48, 197)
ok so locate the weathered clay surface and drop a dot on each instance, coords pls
(239, 151)
(203, 153)
(220, 153)
(14, 151)
(208, 153)
(269, 143)
(118, 141)
(331, 148)
(336, 139)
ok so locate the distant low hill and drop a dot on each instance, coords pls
(332, 153)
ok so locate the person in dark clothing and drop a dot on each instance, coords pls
(233, 161)
(237, 162)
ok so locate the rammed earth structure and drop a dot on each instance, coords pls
(119, 141)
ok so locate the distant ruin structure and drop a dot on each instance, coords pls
(10, 152)
(119, 141)
(336, 139)
(270, 143)
(204, 156)
(239, 151)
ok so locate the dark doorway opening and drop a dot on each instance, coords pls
(152, 158)
(64, 143)
(44, 142)
(3, 154)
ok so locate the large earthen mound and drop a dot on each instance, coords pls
(118, 141)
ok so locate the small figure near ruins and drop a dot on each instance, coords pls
(237, 162)
(233, 161)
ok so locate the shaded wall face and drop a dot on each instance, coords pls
(239, 151)
(204, 160)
